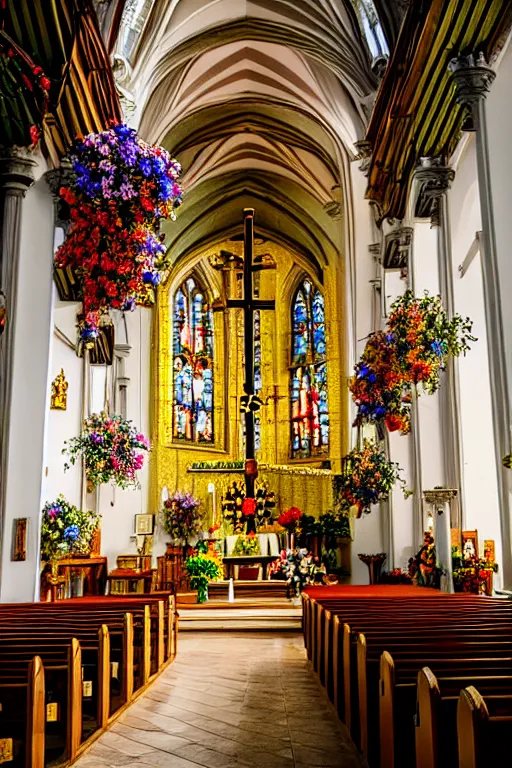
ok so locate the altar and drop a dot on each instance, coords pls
(231, 561)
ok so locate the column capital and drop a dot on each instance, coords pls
(396, 248)
(473, 78)
(59, 177)
(364, 149)
(434, 180)
(16, 171)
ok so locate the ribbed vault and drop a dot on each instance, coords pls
(262, 103)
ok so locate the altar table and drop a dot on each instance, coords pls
(231, 560)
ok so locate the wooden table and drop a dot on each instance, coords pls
(231, 560)
(95, 575)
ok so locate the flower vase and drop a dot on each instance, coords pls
(202, 593)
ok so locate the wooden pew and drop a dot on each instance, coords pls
(22, 713)
(483, 729)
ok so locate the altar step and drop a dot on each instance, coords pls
(252, 614)
(275, 590)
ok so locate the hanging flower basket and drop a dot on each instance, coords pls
(121, 189)
(414, 348)
(112, 450)
(368, 478)
(66, 531)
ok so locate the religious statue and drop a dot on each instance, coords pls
(425, 563)
(59, 397)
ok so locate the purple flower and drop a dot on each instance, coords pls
(96, 438)
(127, 191)
(145, 166)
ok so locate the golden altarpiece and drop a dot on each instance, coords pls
(302, 482)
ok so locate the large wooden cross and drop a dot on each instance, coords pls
(249, 304)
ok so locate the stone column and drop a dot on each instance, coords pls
(434, 180)
(473, 79)
(16, 177)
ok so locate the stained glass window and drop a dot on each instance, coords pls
(193, 365)
(371, 28)
(308, 377)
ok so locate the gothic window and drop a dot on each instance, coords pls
(308, 377)
(193, 365)
(369, 23)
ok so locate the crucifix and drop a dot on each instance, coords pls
(249, 304)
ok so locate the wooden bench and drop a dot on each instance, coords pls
(484, 725)
(22, 712)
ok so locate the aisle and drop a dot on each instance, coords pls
(229, 701)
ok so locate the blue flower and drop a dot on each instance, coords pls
(87, 333)
(123, 131)
(372, 378)
(153, 278)
(379, 412)
(437, 348)
(145, 166)
(363, 371)
(72, 532)
(390, 337)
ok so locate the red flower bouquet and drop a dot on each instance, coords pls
(290, 519)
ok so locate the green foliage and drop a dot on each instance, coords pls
(247, 545)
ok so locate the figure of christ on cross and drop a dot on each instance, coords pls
(249, 304)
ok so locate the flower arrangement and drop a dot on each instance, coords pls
(247, 545)
(472, 574)
(413, 349)
(66, 530)
(24, 91)
(181, 516)
(111, 448)
(368, 478)
(120, 191)
(396, 576)
(203, 566)
(290, 519)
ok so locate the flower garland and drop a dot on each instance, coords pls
(66, 530)
(414, 348)
(181, 516)
(120, 191)
(368, 478)
(24, 90)
(111, 448)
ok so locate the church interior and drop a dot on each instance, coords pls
(255, 383)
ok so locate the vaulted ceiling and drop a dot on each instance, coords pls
(262, 103)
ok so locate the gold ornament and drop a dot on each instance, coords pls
(60, 386)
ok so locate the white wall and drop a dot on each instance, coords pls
(30, 395)
(480, 484)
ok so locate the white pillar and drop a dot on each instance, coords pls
(27, 280)
(473, 80)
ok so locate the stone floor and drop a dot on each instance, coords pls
(229, 701)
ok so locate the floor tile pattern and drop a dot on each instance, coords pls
(229, 701)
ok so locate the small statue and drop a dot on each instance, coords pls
(59, 398)
(426, 563)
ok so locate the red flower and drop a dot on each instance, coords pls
(45, 83)
(35, 134)
(249, 507)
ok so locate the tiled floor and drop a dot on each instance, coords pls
(229, 701)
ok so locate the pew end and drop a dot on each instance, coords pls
(386, 711)
(427, 718)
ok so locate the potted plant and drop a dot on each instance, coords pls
(203, 566)
(111, 448)
(290, 520)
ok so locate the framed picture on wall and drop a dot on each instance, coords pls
(469, 544)
(144, 524)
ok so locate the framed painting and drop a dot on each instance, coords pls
(144, 525)
(469, 544)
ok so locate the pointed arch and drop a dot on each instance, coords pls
(193, 363)
(309, 408)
